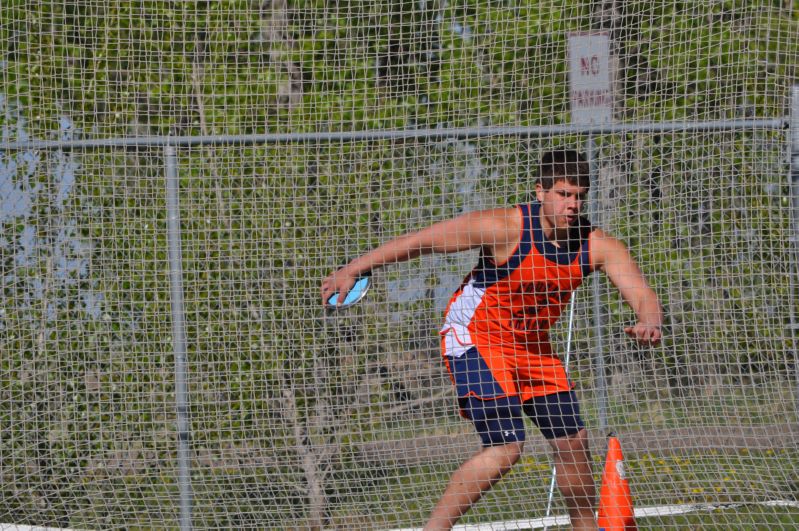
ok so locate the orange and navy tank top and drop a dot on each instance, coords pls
(508, 309)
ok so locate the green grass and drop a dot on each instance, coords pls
(404, 497)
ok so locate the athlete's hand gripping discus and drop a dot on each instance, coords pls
(353, 296)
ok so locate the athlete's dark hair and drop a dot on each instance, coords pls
(564, 164)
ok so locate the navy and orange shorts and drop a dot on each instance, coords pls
(497, 416)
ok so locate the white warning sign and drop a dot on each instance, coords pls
(590, 78)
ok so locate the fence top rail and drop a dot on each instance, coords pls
(461, 133)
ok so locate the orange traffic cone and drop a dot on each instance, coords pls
(615, 500)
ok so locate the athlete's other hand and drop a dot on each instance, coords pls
(645, 334)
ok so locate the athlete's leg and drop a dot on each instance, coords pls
(558, 417)
(470, 481)
(575, 478)
(497, 416)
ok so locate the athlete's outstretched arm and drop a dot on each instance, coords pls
(613, 258)
(489, 228)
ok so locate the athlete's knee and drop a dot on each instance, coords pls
(572, 447)
(502, 456)
(513, 451)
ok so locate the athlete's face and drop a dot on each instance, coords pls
(561, 205)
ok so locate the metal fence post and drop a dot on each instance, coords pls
(599, 328)
(793, 154)
(178, 334)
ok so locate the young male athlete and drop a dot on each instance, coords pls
(495, 338)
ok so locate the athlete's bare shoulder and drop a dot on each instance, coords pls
(504, 217)
(504, 226)
(605, 247)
